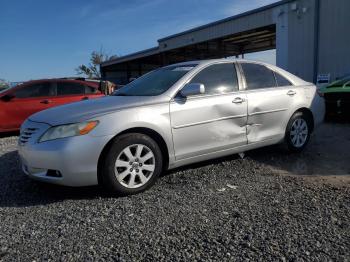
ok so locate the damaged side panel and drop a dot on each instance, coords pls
(207, 124)
(268, 110)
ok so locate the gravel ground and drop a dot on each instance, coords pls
(227, 209)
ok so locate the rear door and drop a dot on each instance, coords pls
(28, 99)
(270, 99)
(213, 121)
(72, 91)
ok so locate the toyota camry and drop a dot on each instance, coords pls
(173, 116)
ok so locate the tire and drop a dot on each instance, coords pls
(298, 132)
(132, 164)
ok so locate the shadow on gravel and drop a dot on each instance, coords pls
(8, 134)
(203, 164)
(327, 154)
(17, 190)
(20, 191)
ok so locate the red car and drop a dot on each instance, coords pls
(18, 103)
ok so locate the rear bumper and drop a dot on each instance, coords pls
(318, 109)
(75, 159)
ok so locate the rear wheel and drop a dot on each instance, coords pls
(132, 165)
(298, 132)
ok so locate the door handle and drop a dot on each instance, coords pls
(291, 93)
(238, 100)
(85, 98)
(45, 102)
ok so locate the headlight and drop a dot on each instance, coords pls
(68, 131)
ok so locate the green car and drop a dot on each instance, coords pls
(337, 97)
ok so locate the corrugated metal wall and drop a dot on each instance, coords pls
(297, 36)
(242, 24)
(301, 45)
(334, 38)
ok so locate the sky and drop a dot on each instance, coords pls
(47, 39)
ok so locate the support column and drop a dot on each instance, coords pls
(281, 17)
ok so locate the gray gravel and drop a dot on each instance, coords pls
(228, 209)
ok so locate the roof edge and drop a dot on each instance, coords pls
(263, 8)
(112, 61)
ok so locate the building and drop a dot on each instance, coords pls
(311, 38)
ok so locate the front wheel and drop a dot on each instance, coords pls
(298, 132)
(132, 165)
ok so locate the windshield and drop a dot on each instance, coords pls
(155, 82)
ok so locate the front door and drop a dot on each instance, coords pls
(28, 99)
(213, 121)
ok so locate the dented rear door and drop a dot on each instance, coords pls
(270, 101)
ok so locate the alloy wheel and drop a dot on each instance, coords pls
(299, 132)
(135, 166)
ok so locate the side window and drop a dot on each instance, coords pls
(70, 88)
(35, 90)
(281, 80)
(218, 79)
(258, 76)
(90, 90)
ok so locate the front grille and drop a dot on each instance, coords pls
(26, 134)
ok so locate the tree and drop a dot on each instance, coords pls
(92, 70)
(3, 84)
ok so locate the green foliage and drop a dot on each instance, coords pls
(3, 84)
(92, 70)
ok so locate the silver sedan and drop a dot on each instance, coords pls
(170, 117)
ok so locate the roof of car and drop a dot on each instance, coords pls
(294, 79)
(91, 83)
(207, 61)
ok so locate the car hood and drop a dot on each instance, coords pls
(84, 110)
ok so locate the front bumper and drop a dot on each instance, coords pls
(74, 158)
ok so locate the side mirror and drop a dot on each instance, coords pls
(7, 98)
(192, 89)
